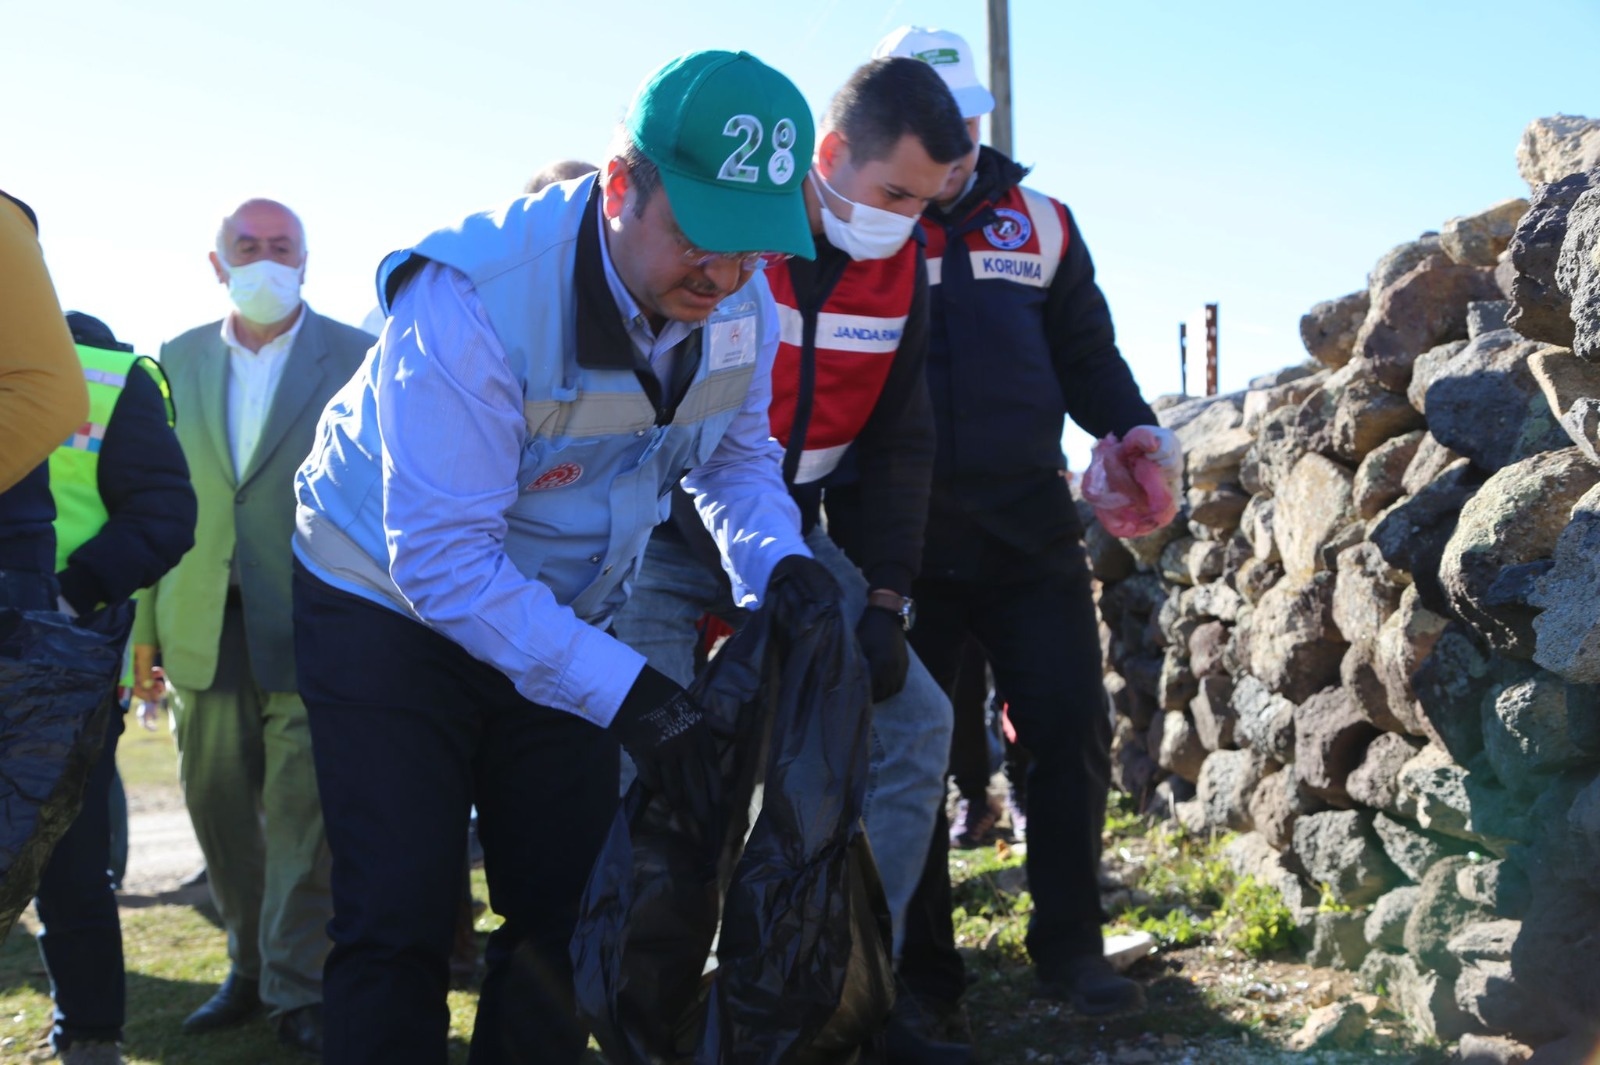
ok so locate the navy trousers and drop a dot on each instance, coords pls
(408, 731)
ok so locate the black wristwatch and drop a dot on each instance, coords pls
(902, 606)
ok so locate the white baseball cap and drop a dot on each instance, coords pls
(950, 55)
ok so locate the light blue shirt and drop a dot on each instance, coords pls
(453, 430)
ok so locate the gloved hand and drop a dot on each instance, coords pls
(1161, 447)
(808, 577)
(670, 742)
(882, 636)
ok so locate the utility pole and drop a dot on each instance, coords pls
(1000, 78)
(1211, 349)
(1183, 358)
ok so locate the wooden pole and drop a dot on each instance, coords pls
(1000, 77)
(1211, 349)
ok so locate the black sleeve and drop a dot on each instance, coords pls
(144, 484)
(1102, 396)
(895, 451)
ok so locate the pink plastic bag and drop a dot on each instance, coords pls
(1126, 487)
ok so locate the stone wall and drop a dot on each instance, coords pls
(1370, 645)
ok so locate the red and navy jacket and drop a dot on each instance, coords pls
(850, 377)
(1020, 337)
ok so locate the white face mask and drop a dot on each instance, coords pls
(264, 291)
(871, 233)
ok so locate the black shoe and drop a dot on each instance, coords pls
(913, 1036)
(301, 1029)
(1090, 984)
(198, 878)
(236, 1001)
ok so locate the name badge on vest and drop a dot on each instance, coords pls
(731, 338)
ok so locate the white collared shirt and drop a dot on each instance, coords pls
(253, 378)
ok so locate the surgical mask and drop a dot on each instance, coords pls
(871, 233)
(264, 291)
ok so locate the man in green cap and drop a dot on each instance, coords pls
(472, 514)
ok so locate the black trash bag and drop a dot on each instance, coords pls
(57, 694)
(803, 970)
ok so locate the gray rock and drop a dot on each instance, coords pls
(1217, 508)
(1578, 274)
(1350, 535)
(1263, 399)
(1378, 480)
(1498, 885)
(1314, 418)
(1341, 852)
(1515, 518)
(1206, 646)
(1277, 803)
(1329, 329)
(1212, 713)
(1401, 260)
(1444, 798)
(1486, 404)
(1404, 641)
(1440, 913)
(1366, 591)
(1294, 645)
(1214, 460)
(1133, 771)
(1425, 307)
(1194, 418)
(1367, 415)
(1553, 959)
(1376, 781)
(1312, 504)
(1413, 533)
(1572, 389)
(1287, 375)
(1180, 751)
(1339, 1024)
(1360, 679)
(1256, 524)
(1263, 720)
(1412, 850)
(1525, 733)
(1147, 549)
(1385, 926)
(1109, 561)
(1450, 684)
(1491, 1050)
(1488, 992)
(1143, 674)
(1557, 145)
(1428, 464)
(1250, 471)
(1227, 780)
(1256, 577)
(1423, 997)
(1330, 738)
(1489, 940)
(1486, 316)
(1165, 797)
(1542, 311)
(1173, 564)
(1428, 366)
(1568, 630)
(1338, 940)
(1204, 561)
(1478, 239)
(1248, 854)
(1213, 600)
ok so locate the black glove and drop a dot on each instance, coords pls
(882, 636)
(670, 742)
(808, 578)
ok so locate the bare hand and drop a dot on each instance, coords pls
(149, 681)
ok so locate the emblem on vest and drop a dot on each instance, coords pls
(1010, 231)
(557, 477)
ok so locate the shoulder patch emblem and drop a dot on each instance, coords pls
(1010, 231)
(557, 477)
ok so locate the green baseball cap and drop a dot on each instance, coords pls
(732, 138)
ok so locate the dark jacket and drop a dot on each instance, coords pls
(1010, 354)
(144, 484)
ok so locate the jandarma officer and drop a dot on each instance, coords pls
(477, 499)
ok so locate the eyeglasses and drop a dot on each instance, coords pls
(746, 260)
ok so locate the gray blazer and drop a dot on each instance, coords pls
(250, 518)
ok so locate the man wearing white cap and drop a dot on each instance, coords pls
(1009, 274)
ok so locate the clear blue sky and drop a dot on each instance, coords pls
(1257, 154)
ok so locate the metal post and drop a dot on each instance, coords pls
(1000, 77)
(1211, 349)
(1183, 358)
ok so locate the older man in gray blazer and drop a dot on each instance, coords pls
(252, 387)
